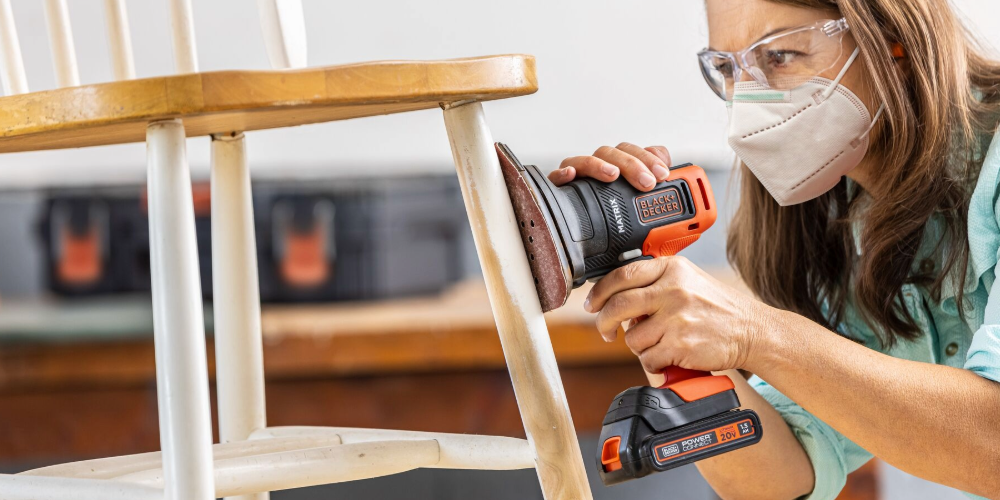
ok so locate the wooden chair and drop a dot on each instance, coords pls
(251, 458)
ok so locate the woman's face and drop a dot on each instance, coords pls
(734, 25)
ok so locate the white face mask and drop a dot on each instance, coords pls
(800, 142)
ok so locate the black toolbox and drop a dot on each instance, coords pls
(326, 240)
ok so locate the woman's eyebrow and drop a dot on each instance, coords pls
(773, 32)
(765, 35)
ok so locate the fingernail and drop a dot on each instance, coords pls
(586, 304)
(660, 173)
(609, 170)
(647, 180)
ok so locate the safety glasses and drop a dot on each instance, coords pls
(781, 61)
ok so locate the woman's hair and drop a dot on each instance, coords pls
(941, 110)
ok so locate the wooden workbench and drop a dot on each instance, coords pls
(431, 363)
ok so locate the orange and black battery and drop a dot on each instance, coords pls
(649, 430)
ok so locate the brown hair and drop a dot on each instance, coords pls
(938, 119)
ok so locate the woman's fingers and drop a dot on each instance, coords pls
(654, 359)
(590, 166)
(654, 163)
(662, 153)
(642, 336)
(641, 167)
(635, 275)
(622, 307)
(562, 175)
(635, 171)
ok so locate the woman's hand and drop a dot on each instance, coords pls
(642, 168)
(694, 322)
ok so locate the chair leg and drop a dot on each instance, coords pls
(178, 322)
(239, 353)
(523, 334)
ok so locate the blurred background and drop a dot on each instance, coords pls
(375, 314)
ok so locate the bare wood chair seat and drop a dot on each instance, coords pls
(224, 101)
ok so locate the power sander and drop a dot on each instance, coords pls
(587, 228)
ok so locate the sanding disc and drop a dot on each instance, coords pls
(549, 264)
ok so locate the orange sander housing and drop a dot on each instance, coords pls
(587, 228)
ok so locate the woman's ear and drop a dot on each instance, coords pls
(898, 52)
(902, 61)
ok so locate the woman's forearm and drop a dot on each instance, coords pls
(776, 468)
(935, 422)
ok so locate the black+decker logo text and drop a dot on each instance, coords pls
(659, 205)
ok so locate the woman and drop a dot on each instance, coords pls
(868, 229)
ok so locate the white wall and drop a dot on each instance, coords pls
(608, 72)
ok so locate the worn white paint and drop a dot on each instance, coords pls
(458, 451)
(11, 64)
(119, 39)
(182, 24)
(523, 334)
(236, 463)
(311, 467)
(178, 322)
(115, 467)
(61, 39)
(34, 488)
(239, 350)
(284, 29)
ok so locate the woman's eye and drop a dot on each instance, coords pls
(726, 68)
(782, 58)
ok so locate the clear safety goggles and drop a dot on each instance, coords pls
(781, 61)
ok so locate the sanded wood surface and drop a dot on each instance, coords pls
(224, 101)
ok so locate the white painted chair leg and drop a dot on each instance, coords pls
(119, 39)
(178, 322)
(523, 334)
(11, 63)
(239, 352)
(61, 39)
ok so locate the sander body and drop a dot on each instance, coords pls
(587, 228)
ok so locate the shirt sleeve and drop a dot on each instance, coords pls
(832, 455)
(984, 352)
(984, 248)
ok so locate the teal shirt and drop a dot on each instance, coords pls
(970, 341)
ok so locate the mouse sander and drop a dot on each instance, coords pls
(587, 228)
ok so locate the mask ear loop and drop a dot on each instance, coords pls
(833, 88)
(836, 82)
(857, 141)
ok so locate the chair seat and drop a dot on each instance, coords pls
(225, 101)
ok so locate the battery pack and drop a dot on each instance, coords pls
(710, 437)
(632, 450)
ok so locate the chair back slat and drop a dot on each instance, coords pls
(119, 39)
(284, 27)
(11, 63)
(282, 22)
(182, 23)
(61, 39)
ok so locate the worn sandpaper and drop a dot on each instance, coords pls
(549, 265)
